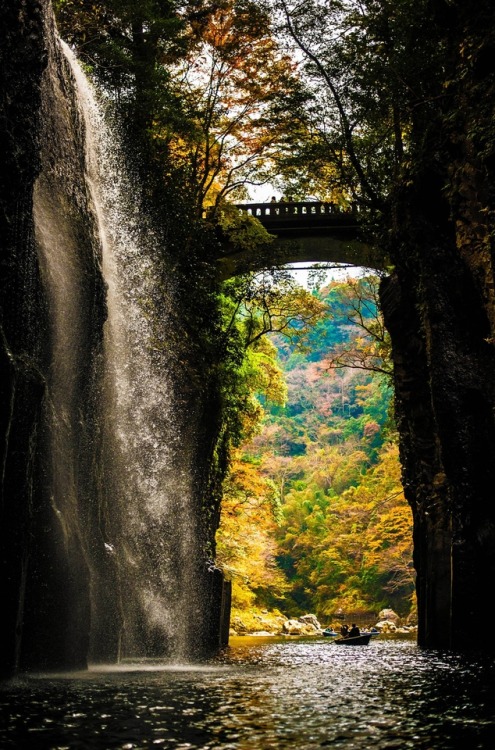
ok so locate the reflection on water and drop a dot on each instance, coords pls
(263, 693)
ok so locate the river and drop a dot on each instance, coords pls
(263, 693)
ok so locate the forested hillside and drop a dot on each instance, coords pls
(314, 516)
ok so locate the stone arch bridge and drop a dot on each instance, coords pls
(310, 231)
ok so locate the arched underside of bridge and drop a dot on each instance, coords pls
(321, 245)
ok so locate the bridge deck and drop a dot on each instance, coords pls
(309, 231)
(290, 215)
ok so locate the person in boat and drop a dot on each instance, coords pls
(354, 631)
(344, 630)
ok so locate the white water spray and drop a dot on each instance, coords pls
(149, 499)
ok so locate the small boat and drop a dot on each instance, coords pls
(330, 632)
(357, 640)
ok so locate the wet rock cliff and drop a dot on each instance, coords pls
(45, 568)
(105, 525)
(439, 308)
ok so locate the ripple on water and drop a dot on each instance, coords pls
(261, 694)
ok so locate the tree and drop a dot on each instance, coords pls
(370, 347)
(233, 86)
(246, 546)
(129, 47)
(344, 528)
(272, 303)
(351, 550)
(365, 75)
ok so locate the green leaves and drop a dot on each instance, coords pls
(343, 536)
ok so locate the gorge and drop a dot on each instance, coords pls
(109, 416)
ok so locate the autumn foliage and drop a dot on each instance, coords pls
(314, 517)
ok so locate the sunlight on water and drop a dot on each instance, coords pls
(297, 694)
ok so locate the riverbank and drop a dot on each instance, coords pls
(272, 623)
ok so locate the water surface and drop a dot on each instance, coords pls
(263, 693)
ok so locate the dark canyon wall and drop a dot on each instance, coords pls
(439, 308)
(45, 445)
(107, 517)
(24, 321)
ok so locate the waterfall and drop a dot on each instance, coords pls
(136, 519)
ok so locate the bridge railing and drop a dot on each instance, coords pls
(295, 210)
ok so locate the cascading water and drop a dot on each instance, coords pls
(140, 542)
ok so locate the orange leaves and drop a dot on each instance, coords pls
(247, 492)
(246, 547)
(228, 85)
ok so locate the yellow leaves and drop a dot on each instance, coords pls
(389, 533)
(179, 148)
(341, 543)
(244, 231)
(268, 377)
(245, 490)
(246, 547)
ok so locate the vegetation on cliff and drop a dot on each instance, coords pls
(390, 105)
(199, 94)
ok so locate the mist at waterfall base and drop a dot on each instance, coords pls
(261, 693)
(137, 521)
